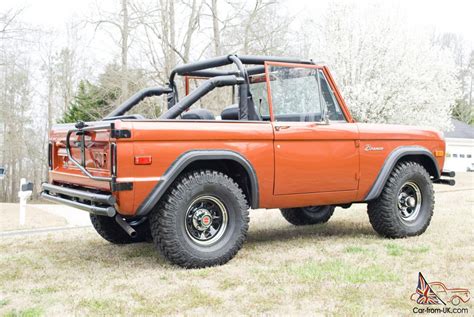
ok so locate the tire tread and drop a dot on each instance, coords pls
(163, 221)
(381, 212)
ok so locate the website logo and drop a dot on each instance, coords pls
(437, 293)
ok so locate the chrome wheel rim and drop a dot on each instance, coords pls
(409, 201)
(206, 220)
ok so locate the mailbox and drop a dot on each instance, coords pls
(27, 187)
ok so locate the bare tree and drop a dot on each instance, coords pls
(245, 33)
(164, 43)
(125, 22)
(15, 102)
(8, 27)
(65, 71)
(124, 47)
(215, 28)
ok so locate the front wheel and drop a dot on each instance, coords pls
(405, 206)
(308, 215)
(201, 221)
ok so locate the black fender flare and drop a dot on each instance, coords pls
(390, 163)
(187, 158)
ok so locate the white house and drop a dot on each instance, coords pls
(460, 147)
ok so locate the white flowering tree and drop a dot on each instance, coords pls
(387, 72)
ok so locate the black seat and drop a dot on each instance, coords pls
(230, 112)
(198, 114)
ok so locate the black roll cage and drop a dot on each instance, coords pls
(217, 78)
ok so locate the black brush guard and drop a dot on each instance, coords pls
(446, 181)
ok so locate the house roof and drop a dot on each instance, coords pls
(461, 130)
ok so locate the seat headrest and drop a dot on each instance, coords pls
(230, 112)
(198, 114)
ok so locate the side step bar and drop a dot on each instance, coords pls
(444, 181)
(101, 211)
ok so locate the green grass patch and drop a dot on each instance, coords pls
(12, 275)
(99, 306)
(201, 272)
(4, 302)
(197, 297)
(29, 312)
(229, 283)
(419, 249)
(141, 251)
(394, 249)
(350, 302)
(187, 299)
(44, 290)
(355, 249)
(341, 272)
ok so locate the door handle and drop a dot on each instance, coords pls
(281, 127)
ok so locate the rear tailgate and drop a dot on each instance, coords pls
(83, 167)
(93, 150)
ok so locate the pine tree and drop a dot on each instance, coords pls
(91, 103)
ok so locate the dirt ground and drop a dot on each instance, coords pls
(340, 268)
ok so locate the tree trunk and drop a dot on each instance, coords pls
(215, 28)
(192, 25)
(125, 33)
(172, 35)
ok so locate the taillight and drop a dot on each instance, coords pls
(50, 155)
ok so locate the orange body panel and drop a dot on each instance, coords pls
(315, 158)
(304, 164)
(165, 141)
(390, 137)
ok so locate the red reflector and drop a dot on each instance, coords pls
(143, 160)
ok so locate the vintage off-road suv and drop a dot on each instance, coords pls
(285, 139)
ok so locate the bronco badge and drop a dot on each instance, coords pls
(369, 147)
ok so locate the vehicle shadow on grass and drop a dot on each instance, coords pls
(146, 255)
(330, 230)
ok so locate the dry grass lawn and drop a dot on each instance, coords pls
(35, 218)
(341, 268)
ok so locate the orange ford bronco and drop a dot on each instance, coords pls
(285, 140)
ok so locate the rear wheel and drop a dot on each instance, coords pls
(110, 230)
(201, 221)
(308, 215)
(405, 206)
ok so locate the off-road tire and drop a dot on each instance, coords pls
(168, 220)
(110, 230)
(384, 213)
(307, 215)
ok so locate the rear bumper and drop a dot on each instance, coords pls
(94, 203)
